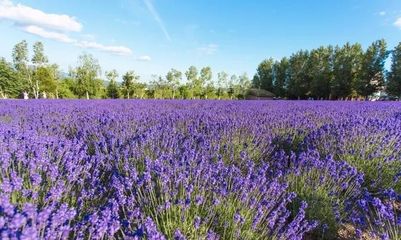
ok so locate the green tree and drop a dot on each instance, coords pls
(281, 77)
(205, 80)
(86, 76)
(372, 71)
(67, 88)
(321, 72)
(39, 60)
(394, 77)
(21, 64)
(264, 75)
(233, 87)
(244, 84)
(45, 81)
(193, 81)
(222, 80)
(346, 69)
(10, 84)
(112, 87)
(174, 78)
(298, 78)
(129, 81)
(184, 92)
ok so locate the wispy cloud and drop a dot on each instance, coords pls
(144, 58)
(397, 23)
(53, 26)
(151, 8)
(382, 13)
(25, 15)
(118, 50)
(38, 31)
(209, 49)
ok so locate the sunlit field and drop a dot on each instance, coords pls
(165, 169)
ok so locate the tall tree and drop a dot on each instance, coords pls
(346, 69)
(233, 86)
(193, 81)
(86, 74)
(55, 78)
(244, 84)
(222, 81)
(281, 77)
(205, 80)
(21, 64)
(129, 81)
(394, 77)
(298, 78)
(45, 80)
(39, 60)
(372, 71)
(321, 72)
(174, 78)
(264, 75)
(10, 84)
(112, 87)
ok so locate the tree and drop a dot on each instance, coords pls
(372, 69)
(56, 76)
(112, 88)
(205, 80)
(173, 78)
(85, 75)
(264, 75)
(222, 80)
(129, 81)
(10, 84)
(281, 77)
(45, 78)
(193, 81)
(21, 64)
(233, 86)
(67, 88)
(346, 69)
(394, 77)
(39, 60)
(244, 84)
(298, 78)
(321, 72)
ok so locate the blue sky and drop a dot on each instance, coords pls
(152, 36)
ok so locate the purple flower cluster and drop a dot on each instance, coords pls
(197, 169)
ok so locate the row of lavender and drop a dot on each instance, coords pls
(199, 170)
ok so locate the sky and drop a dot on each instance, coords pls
(153, 36)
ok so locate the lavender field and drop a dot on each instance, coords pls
(120, 169)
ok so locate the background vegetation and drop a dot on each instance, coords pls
(328, 72)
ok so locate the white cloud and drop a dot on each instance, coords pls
(144, 58)
(52, 26)
(157, 18)
(26, 16)
(118, 50)
(209, 49)
(382, 13)
(38, 31)
(397, 23)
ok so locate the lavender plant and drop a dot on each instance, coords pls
(198, 169)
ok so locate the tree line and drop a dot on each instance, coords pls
(328, 72)
(37, 78)
(333, 72)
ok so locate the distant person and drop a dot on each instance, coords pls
(26, 97)
(44, 95)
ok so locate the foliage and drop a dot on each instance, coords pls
(394, 79)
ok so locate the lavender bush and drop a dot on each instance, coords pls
(198, 169)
